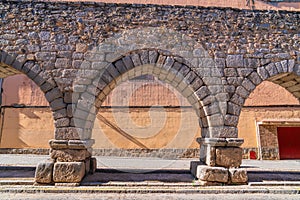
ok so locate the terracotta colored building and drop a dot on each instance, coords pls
(145, 114)
(150, 115)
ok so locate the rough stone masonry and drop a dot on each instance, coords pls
(78, 52)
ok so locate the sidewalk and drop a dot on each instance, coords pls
(31, 160)
(145, 175)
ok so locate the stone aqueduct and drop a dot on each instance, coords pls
(78, 52)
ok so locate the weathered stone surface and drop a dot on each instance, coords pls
(128, 62)
(80, 47)
(72, 133)
(234, 142)
(69, 155)
(272, 70)
(87, 163)
(45, 56)
(238, 176)
(67, 184)
(62, 122)
(233, 109)
(93, 165)
(202, 92)
(80, 144)
(208, 154)
(58, 144)
(231, 120)
(229, 156)
(44, 172)
(248, 85)
(235, 61)
(210, 174)
(57, 104)
(254, 78)
(207, 183)
(263, 73)
(68, 172)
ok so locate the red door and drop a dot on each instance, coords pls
(289, 142)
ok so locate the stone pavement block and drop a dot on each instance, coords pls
(238, 176)
(208, 183)
(209, 174)
(229, 156)
(68, 172)
(44, 171)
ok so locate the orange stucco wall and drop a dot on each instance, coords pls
(26, 128)
(154, 127)
(250, 116)
(19, 89)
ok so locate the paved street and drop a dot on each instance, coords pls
(78, 196)
(172, 181)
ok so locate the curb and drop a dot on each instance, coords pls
(144, 190)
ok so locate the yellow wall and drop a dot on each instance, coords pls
(26, 127)
(32, 127)
(158, 128)
(249, 117)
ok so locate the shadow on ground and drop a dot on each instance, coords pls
(174, 176)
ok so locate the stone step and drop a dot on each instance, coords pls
(146, 189)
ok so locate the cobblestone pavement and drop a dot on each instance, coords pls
(38, 196)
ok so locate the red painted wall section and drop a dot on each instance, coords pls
(288, 139)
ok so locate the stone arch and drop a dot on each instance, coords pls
(12, 64)
(169, 68)
(173, 43)
(284, 73)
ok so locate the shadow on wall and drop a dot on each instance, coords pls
(27, 121)
(149, 115)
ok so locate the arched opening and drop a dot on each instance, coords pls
(145, 117)
(25, 113)
(270, 119)
(124, 73)
(25, 116)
